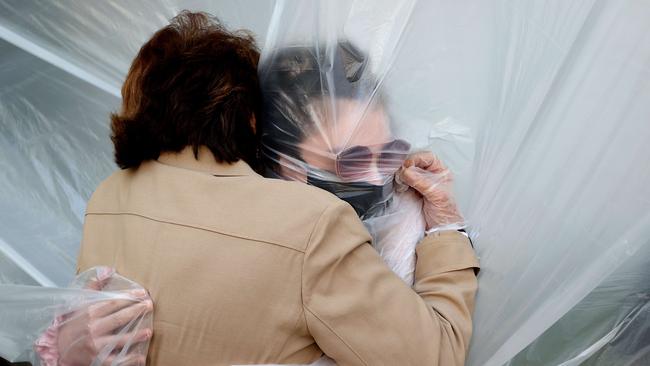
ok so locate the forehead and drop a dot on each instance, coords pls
(345, 122)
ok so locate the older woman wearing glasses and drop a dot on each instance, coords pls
(325, 124)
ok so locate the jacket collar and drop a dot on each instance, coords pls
(205, 163)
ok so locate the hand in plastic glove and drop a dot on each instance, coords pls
(426, 174)
(82, 334)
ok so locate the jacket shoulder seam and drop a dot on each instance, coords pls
(197, 227)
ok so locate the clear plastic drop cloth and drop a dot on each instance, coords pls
(608, 327)
(560, 199)
(568, 105)
(34, 320)
(539, 108)
(50, 121)
(96, 41)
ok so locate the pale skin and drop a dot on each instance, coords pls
(340, 125)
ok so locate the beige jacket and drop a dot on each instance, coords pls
(244, 269)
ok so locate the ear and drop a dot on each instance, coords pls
(291, 171)
(253, 123)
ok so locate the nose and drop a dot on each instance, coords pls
(375, 176)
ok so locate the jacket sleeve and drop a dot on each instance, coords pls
(361, 313)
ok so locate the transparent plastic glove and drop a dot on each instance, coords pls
(425, 173)
(95, 326)
(114, 330)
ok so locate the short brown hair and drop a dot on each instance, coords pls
(193, 83)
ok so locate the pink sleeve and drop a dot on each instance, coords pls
(46, 345)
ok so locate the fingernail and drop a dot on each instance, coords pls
(148, 304)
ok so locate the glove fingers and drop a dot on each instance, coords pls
(425, 160)
(426, 182)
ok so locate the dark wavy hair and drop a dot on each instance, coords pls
(193, 83)
(294, 77)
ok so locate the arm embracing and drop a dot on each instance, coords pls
(361, 313)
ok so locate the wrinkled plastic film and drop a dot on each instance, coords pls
(49, 122)
(609, 326)
(523, 187)
(560, 201)
(33, 319)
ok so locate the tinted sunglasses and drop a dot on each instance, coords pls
(356, 160)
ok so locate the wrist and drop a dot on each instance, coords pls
(46, 346)
(449, 227)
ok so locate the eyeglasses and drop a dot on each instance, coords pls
(357, 160)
